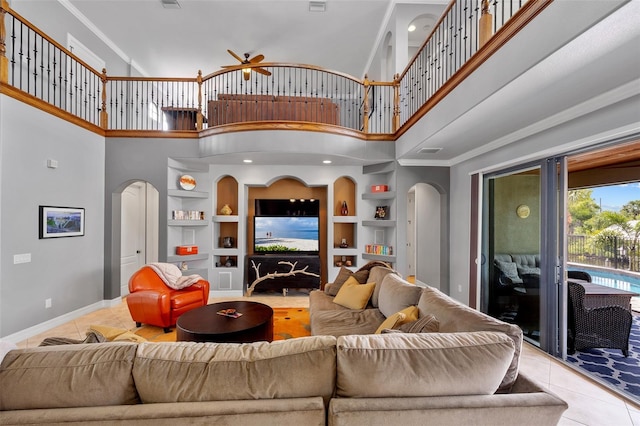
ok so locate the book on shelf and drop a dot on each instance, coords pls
(379, 249)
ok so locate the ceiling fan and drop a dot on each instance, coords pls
(246, 72)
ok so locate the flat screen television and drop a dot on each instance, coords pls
(286, 234)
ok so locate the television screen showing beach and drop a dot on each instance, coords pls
(282, 234)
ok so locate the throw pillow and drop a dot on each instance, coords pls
(354, 295)
(510, 270)
(391, 322)
(425, 324)
(343, 275)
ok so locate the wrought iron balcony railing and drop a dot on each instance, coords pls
(36, 69)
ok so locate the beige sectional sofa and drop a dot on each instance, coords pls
(465, 373)
(516, 400)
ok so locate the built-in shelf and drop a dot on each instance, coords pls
(379, 223)
(387, 195)
(225, 218)
(187, 258)
(382, 257)
(187, 194)
(226, 252)
(351, 251)
(172, 222)
(345, 219)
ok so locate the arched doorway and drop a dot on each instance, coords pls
(424, 227)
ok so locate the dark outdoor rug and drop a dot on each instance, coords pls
(611, 366)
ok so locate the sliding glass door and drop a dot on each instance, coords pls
(522, 249)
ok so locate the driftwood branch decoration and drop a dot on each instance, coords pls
(275, 274)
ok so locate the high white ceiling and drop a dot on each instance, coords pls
(168, 42)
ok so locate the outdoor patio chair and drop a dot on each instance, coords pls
(579, 275)
(603, 327)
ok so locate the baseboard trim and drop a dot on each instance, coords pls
(62, 319)
(224, 293)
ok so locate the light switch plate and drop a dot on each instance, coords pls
(21, 258)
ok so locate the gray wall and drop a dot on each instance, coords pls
(603, 125)
(136, 159)
(67, 270)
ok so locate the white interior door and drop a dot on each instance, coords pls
(133, 236)
(411, 232)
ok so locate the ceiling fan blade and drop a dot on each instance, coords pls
(229, 66)
(256, 59)
(261, 71)
(235, 56)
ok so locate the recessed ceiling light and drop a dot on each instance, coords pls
(247, 161)
(411, 28)
(326, 161)
(317, 6)
(170, 4)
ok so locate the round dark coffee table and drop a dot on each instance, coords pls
(205, 325)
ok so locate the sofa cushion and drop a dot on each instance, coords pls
(343, 275)
(293, 368)
(528, 260)
(83, 375)
(376, 275)
(455, 317)
(354, 295)
(397, 294)
(525, 270)
(426, 364)
(345, 321)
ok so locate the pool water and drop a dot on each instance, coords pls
(612, 279)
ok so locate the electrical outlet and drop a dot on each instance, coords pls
(459, 288)
(47, 303)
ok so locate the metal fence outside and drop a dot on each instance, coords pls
(611, 252)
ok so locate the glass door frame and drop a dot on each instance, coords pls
(553, 293)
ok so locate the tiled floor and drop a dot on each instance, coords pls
(589, 403)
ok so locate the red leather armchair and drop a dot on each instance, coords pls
(152, 302)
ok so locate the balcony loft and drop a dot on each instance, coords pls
(457, 76)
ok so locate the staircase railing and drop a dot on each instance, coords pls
(36, 69)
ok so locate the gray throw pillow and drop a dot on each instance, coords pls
(510, 270)
(425, 324)
(343, 275)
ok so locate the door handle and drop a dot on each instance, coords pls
(138, 251)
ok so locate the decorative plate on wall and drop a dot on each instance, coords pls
(187, 182)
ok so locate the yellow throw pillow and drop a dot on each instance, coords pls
(404, 316)
(354, 295)
(391, 322)
(114, 334)
(411, 314)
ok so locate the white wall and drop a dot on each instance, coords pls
(67, 270)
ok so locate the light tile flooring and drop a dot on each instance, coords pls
(589, 402)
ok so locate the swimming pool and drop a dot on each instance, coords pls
(622, 280)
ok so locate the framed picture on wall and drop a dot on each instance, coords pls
(381, 212)
(57, 222)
